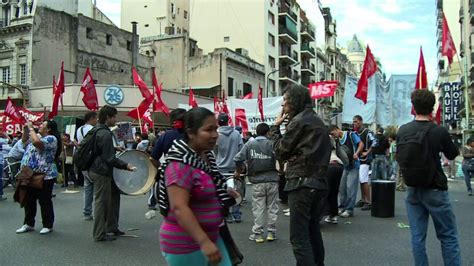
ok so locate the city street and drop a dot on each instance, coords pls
(361, 240)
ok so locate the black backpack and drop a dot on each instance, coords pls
(415, 158)
(345, 153)
(84, 156)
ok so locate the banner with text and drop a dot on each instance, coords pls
(353, 106)
(11, 126)
(452, 101)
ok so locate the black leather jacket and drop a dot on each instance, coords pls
(306, 146)
(105, 159)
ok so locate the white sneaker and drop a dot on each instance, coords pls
(287, 214)
(331, 220)
(286, 210)
(346, 214)
(46, 230)
(24, 228)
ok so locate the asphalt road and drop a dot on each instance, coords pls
(361, 240)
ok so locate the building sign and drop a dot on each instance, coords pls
(452, 101)
(113, 95)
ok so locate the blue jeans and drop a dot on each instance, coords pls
(379, 167)
(468, 171)
(88, 194)
(348, 188)
(197, 257)
(420, 204)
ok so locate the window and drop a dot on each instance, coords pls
(109, 39)
(129, 45)
(230, 86)
(173, 11)
(247, 88)
(272, 87)
(226, 38)
(23, 74)
(271, 18)
(178, 30)
(185, 14)
(25, 9)
(89, 33)
(6, 74)
(271, 61)
(178, 11)
(271, 39)
(147, 25)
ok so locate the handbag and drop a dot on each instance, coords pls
(235, 255)
(27, 177)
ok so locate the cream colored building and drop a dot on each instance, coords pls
(156, 17)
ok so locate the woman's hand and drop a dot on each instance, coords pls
(281, 117)
(210, 250)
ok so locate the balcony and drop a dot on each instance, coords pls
(287, 35)
(287, 57)
(307, 69)
(307, 51)
(285, 11)
(286, 75)
(307, 33)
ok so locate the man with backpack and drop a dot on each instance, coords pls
(419, 144)
(369, 141)
(91, 121)
(349, 146)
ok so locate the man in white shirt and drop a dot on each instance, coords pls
(91, 121)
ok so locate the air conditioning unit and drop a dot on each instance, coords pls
(242, 51)
(169, 30)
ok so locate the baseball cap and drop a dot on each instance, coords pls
(223, 118)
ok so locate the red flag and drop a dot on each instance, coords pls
(438, 114)
(322, 89)
(225, 109)
(369, 69)
(137, 80)
(192, 100)
(12, 111)
(34, 117)
(260, 102)
(56, 96)
(158, 104)
(448, 47)
(60, 88)
(147, 121)
(139, 112)
(4, 122)
(248, 96)
(421, 78)
(90, 94)
(217, 105)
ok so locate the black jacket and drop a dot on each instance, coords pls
(105, 159)
(306, 146)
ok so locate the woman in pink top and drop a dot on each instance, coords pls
(189, 234)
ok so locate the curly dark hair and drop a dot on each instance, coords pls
(298, 98)
(423, 101)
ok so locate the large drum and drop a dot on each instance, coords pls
(137, 182)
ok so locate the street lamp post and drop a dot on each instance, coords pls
(276, 70)
(18, 89)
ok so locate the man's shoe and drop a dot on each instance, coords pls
(271, 236)
(367, 206)
(331, 220)
(286, 210)
(346, 214)
(469, 193)
(287, 214)
(258, 238)
(360, 203)
(46, 230)
(106, 238)
(340, 210)
(3, 197)
(118, 233)
(24, 228)
(238, 220)
(88, 218)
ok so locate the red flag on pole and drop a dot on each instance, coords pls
(192, 100)
(12, 111)
(90, 94)
(147, 121)
(139, 112)
(60, 88)
(225, 109)
(217, 105)
(421, 77)
(448, 46)
(322, 89)
(56, 96)
(248, 96)
(260, 102)
(137, 80)
(438, 114)
(158, 104)
(369, 69)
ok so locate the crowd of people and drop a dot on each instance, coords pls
(312, 169)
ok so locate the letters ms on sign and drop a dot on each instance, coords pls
(322, 89)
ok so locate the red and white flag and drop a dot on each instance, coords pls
(139, 112)
(147, 121)
(217, 105)
(225, 109)
(260, 102)
(248, 96)
(158, 104)
(421, 77)
(137, 80)
(12, 111)
(448, 46)
(322, 89)
(368, 70)
(192, 100)
(90, 94)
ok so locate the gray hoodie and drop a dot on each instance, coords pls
(228, 145)
(260, 160)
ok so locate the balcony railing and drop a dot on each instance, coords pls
(287, 73)
(306, 47)
(285, 30)
(285, 9)
(308, 30)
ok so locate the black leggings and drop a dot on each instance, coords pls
(334, 175)
(43, 196)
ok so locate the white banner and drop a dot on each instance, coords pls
(245, 113)
(401, 87)
(353, 106)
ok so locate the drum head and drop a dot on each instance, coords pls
(137, 182)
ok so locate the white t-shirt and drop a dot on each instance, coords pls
(82, 132)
